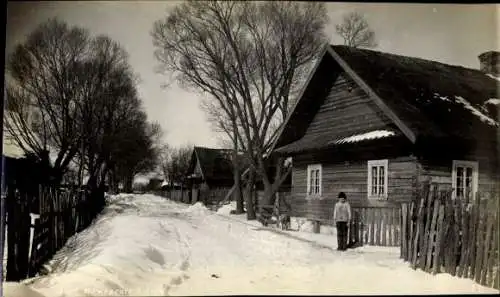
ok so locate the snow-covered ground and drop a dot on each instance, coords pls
(148, 245)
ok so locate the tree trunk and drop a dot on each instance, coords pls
(237, 184)
(270, 189)
(249, 195)
(127, 187)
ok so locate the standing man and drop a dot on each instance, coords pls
(341, 216)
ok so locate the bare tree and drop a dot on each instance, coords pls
(355, 31)
(175, 163)
(41, 80)
(249, 57)
(83, 91)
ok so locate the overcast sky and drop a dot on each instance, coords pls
(449, 33)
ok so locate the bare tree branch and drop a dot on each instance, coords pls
(355, 31)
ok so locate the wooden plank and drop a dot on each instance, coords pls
(456, 234)
(364, 234)
(432, 235)
(383, 227)
(493, 268)
(372, 225)
(439, 233)
(472, 241)
(462, 267)
(411, 234)
(480, 243)
(450, 235)
(426, 232)
(496, 264)
(416, 242)
(390, 223)
(398, 227)
(379, 226)
(474, 237)
(404, 241)
(490, 220)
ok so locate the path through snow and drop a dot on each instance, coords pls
(147, 245)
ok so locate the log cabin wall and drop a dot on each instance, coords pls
(347, 110)
(349, 176)
(436, 165)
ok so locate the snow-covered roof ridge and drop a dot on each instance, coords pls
(493, 76)
(493, 101)
(364, 136)
(483, 117)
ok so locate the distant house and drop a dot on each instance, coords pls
(210, 174)
(376, 125)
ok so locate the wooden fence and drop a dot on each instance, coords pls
(455, 236)
(379, 226)
(61, 214)
(178, 195)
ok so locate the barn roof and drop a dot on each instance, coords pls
(430, 99)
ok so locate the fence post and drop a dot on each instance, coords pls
(475, 236)
(437, 251)
(427, 224)
(432, 235)
(416, 244)
(404, 239)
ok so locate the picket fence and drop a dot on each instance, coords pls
(455, 236)
(379, 226)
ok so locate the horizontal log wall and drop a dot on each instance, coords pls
(349, 177)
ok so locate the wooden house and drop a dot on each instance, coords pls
(210, 174)
(376, 125)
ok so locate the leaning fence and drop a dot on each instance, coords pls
(36, 233)
(455, 236)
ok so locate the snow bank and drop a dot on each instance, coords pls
(149, 246)
(226, 208)
(13, 289)
(342, 277)
(198, 209)
(125, 252)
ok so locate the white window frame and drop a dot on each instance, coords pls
(475, 175)
(310, 168)
(378, 163)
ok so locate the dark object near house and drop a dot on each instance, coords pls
(377, 125)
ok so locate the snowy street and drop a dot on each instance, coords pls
(148, 245)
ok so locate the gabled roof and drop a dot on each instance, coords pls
(215, 163)
(423, 98)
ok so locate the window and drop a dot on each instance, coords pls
(464, 178)
(377, 178)
(314, 180)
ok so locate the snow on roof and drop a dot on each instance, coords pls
(493, 101)
(476, 111)
(493, 76)
(444, 98)
(164, 183)
(365, 136)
